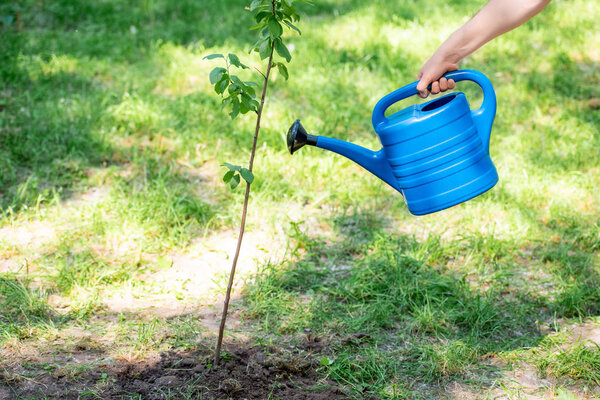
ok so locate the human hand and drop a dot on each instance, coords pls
(431, 72)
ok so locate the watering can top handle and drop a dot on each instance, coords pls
(489, 96)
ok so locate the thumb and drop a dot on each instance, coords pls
(422, 86)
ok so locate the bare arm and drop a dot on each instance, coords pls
(494, 19)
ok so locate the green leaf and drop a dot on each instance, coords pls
(255, 46)
(234, 60)
(255, 5)
(228, 175)
(257, 26)
(213, 56)
(275, 27)
(231, 167)
(235, 107)
(282, 50)
(259, 16)
(248, 103)
(233, 89)
(250, 91)
(222, 84)
(251, 83)
(326, 361)
(294, 27)
(283, 70)
(226, 100)
(264, 49)
(216, 75)
(237, 81)
(235, 181)
(265, 32)
(247, 175)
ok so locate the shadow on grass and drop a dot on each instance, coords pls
(53, 124)
(48, 143)
(53, 136)
(569, 256)
(50, 146)
(122, 30)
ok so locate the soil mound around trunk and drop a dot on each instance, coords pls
(243, 373)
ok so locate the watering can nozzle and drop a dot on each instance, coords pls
(297, 137)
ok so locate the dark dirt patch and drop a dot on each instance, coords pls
(244, 373)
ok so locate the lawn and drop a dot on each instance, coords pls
(116, 230)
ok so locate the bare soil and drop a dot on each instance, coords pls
(244, 373)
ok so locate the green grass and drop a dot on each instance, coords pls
(110, 144)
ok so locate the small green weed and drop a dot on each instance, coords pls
(146, 334)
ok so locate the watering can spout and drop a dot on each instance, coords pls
(373, 161)
(297, 137)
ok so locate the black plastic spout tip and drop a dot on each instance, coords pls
(297, 137)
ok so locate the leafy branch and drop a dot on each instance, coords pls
(240, 95)
(233, 175)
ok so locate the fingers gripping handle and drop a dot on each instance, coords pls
(483, 116)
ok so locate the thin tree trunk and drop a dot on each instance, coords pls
(243, 223)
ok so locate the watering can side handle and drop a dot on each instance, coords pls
(483, 117)
(386, 101)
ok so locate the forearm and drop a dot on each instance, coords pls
(494, 19)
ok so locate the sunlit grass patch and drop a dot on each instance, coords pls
(580, 362)
(135, 116)
(160, 202)
(37, 67)
(562, 356)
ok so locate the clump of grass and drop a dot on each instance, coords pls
(21, 301)
(146, 334)
(363, 369)
(580, 362)
(447, 358)
(558, 357)
(24, 310)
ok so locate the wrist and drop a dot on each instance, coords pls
(457, 47)
(446, 59)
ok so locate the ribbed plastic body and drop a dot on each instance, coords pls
(437, 154)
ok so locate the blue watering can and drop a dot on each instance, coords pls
(436, 154)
